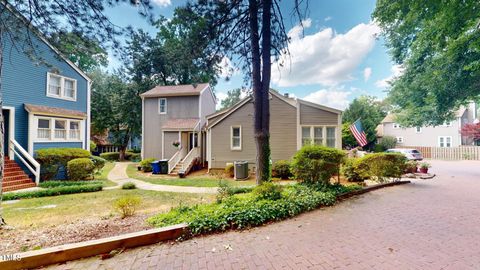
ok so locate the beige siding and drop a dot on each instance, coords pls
(177, 107)
(168, 139)
(282, 134)
(314, 116)
(207, 104)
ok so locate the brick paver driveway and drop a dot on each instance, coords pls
(430, 224)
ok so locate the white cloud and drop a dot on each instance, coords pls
(297, 31)
(162, 3)
(332, 98)
(328, 18)
(396, 70)
(367, 72)
(325, 57)
(227, 69)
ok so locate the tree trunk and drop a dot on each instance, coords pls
(260, 85)
(2, 133)
(121, 153)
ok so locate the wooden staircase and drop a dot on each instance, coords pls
(14, 177)
(177, 168)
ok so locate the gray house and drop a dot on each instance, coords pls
(180, 124)
(446, 135)
(173, 120)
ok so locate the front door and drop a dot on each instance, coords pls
(192, 140)
(6, 118)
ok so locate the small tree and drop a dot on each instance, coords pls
(472, 131)
(233, 96)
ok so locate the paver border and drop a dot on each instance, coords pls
(69, 252)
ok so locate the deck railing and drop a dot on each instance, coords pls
(26, 159)
(177, 157)
(189, 158)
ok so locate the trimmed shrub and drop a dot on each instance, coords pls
(245, 211)
(127, 206)
(314, 163)
(129, 185)
(110, 156)
(93, 146)
(388, 142)
(55, 191)
(230, 170)
(268, 191)
(54, 159)
(281, 169)
(80, 168)
(53, 184)
(381, 166)
(349, 172)
(145, 164)
(98, 163)
(135, 157)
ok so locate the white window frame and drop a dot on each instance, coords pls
(236, 148)
(447, 124)
(445, 141)
(324, 133)
(65, 129)
(62, 87)
(396, 126)
(70, 129)
(159, 106)
(36, 139)
(399, 140)
(418, 129)
(37, 121)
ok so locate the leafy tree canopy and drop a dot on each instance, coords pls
(370, 111)
(437, 43)
(233, 96)
(86, 53)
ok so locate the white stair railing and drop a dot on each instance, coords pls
(19, 152)
(189, 158)
(177, 157)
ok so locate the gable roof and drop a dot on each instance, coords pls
(290, 101)
(44, 39)
(176, 90)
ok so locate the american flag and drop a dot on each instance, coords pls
(357, 129)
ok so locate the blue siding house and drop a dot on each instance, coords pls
(45, 104)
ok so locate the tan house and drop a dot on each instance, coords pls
(186, 114)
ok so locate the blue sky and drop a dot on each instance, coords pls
(339, 57)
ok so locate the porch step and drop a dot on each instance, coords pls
(14, 177)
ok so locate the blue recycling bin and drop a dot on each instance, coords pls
(155, 167)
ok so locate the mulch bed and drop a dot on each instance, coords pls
(21, 240)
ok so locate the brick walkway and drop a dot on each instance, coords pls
(430, 224)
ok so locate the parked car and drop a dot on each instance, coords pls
(411, 154)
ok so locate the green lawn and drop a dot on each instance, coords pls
(102, 175)
(49, 211)
(203, 180)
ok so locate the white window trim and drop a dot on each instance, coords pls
(324, 133)
(62, 87)
(399, 140)
(34, 131)
(445, 141)
(166, 107)
(418, 131)
(239, 148)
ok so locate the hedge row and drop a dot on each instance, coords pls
(53, 184)
(115, 156)
(60, 190)
(246, 210)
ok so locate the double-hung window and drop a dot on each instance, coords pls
(43, 129)
(162, 105)
(399, 139)
(331, 136)
(74, 130)
(60, 129)
(61, 87)
(445, 141)
(319, 135)
(236, 138)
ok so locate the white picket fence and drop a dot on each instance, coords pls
(449, 153)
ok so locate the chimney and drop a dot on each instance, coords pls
(286, 95)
